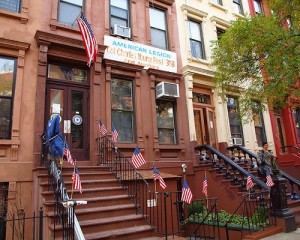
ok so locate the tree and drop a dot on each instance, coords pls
(260, 56)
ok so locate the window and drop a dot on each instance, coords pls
(234, 118)
(220, 31)
(67, 73)
(165, 122)
(11, 5)
(296, 114)
(217, 2)
(7, 84)
(258, 7)
(238, 8)
(259, 125)
(68, 11)
(158, 28)
(196, 42)
(122, 109)
(119, 13)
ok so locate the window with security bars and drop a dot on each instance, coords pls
(259, 126)
(69, 10)
(122, 109)
(11, 5)
(119, 13)
(158, 28)
(165, 115)
(7, 85)
(196, 41)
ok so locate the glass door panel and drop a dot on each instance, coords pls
(77, 123)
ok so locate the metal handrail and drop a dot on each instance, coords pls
(59, 190)
(291, 147)
(242, 171)
(291, 179)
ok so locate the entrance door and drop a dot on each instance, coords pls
(205, 126)
(71, 104)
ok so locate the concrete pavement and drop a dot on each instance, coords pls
(285, 236)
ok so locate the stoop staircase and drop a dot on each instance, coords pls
(109, 212)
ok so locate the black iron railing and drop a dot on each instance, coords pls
(203, 220)
(291, 149)
(64, 215)
(292, 181)
(256, 214)
(162, 210)
(231, 168)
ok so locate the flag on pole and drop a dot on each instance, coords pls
(114, 134)
(76, 180)
(102, 128)
(249, 184)
(204, 188)
(67, 154)
(88, 38)
(137, 158)
(157, 176)
(187, 195)
(269, 182)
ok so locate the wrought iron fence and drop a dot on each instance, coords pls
(19, 226)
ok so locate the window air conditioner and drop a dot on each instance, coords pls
(165, 89)
(237, 141)
(121, 31)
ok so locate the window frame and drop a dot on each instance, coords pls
(11, 98)
(239, 5)
(263, 136)
(200, 42)
(166, 36)
(133, 111)
(175, 137)
(219, 2)
(236, 106)
(74, 23)
(258, 3)
(128, 19)
(10, 10)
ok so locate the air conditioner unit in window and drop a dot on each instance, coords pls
(237, 141)
(121, 31)
(165, 89)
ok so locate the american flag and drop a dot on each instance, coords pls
(76, 180)
(114, 134)
(137, 158)
(67, 154)
(204, 188)
(158, 177)
(249, 184)
(102, 128)
(269, 182)
(88, 37)
(187, 195)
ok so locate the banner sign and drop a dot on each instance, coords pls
(135, 53)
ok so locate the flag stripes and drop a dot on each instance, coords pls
(187, 195)
(157, 176)
(76, 180)
(137, 158)
(88, 38)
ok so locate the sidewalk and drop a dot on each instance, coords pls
(285, 236)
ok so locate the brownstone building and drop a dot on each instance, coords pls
(44, 72)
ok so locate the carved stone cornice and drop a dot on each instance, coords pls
(164, 74)
(12, 44)
(54, 39)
